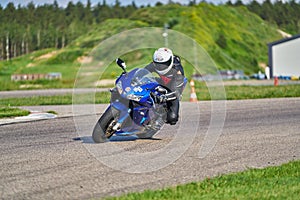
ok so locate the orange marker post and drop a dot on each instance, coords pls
(275, 81)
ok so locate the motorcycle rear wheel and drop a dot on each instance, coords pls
(103, 129)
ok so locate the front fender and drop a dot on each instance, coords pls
(123, 110)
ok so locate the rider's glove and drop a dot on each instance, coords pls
(159, 98)
(162, 98)
(165, 97)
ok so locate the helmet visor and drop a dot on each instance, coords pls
(162, 66)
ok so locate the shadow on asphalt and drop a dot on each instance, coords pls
(89, 139)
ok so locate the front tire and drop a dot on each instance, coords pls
(103, 129)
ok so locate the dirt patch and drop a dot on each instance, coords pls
(88, 74)
(84, 59)
(30, 86)
(284, 34)
(47, 56)
(30, 65)
(262, 65)
(105, 82)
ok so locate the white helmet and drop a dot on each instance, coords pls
(163, 60)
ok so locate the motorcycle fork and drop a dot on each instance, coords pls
(123, 114)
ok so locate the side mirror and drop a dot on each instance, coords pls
(121, 63)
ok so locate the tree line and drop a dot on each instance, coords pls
(24, 29)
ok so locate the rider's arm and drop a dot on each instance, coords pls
(178, 84)
(150, 67)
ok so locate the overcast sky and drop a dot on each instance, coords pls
(63, 3)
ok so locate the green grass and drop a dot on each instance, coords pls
(244, 35)
(101, 97)
(52, 112)
(232, 93)
(234, 37)
(63, 61)
(280, 182)
(104, 30)
(6, 112)
(247, 92)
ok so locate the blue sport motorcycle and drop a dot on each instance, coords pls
(135, 106)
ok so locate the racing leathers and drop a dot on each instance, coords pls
(174, 81)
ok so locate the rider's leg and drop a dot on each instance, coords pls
(173, 110)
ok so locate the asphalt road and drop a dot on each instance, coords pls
(49, 159)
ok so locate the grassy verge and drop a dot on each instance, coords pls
(101, 97)
(232, 93)
(247, 92)
(6, 112)
(281, 182)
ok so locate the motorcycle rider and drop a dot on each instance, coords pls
(168, 67)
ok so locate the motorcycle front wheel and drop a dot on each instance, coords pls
(103, 129)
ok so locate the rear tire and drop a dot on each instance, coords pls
(103, 128)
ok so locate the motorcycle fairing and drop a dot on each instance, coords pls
(135, 114)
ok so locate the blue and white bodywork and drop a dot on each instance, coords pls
(132, 109)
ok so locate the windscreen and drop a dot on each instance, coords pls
(142, 77)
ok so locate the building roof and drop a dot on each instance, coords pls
(284, 40)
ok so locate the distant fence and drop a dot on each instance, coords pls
(31, 77)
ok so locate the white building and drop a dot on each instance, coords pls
(284, 57)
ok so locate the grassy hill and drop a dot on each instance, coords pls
(234, 37)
